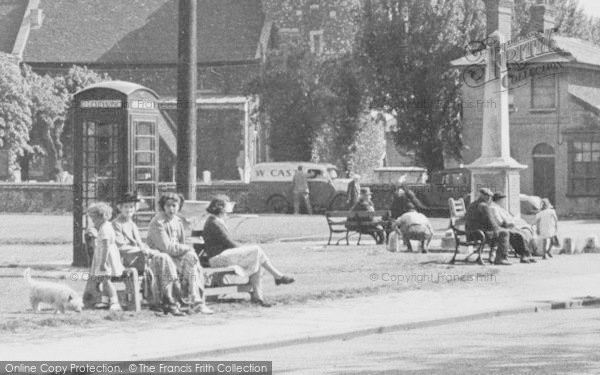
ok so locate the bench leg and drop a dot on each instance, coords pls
(453, 260)
(359, 237)
(480, 249)
(347, 234)
(133, 295)
(330, 234)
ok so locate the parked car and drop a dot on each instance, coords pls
(270, 188)
(448, 183)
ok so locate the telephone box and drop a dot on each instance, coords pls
(116, 144)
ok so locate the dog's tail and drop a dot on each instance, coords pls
(27, 276)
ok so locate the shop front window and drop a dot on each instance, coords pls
(584, 168)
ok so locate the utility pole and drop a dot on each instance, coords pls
(186, 99)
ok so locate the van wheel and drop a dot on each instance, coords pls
(278, 204)
(338, 203)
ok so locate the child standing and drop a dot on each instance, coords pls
(546, 223)
(106, 262)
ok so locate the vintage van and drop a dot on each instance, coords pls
(270, 187)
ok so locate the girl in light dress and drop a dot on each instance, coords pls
(107, 261)
(546, 223)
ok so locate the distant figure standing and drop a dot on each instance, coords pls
(300, 191)
(240, 162)
(546, 223)
(353, 191)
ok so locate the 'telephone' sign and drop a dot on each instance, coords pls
(101, 104)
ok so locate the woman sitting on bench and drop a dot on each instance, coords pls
(222, 251)
(135, 253)
(166, 234)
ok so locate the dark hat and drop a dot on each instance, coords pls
(365, 191)
(486, 191)
(129, 197)
(498, 196)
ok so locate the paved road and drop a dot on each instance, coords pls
(550, 342)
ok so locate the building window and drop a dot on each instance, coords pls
(584, 168)
(316, 42)
(543, 92)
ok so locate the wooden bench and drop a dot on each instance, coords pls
(476, 239)
(222, 280)
(354, 221)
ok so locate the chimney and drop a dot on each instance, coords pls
(499, 17)
(543, 15)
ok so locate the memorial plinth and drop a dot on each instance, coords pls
(496, 169)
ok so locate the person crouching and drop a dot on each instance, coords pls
(414, 226)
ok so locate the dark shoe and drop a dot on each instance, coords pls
(424, 251)
(173, 310)
(284, 280)
(502, 262)
(524, 260)
(532, 260)
(260, 301)
(549, 254)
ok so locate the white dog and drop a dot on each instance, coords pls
(61, 297)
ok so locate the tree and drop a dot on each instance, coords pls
(48, 110)
(405, 48)
(50, 98)
(15, 114)
(314, 107)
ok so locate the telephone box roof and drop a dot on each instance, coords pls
(124, 87)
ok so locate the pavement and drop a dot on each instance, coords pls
(312, 322)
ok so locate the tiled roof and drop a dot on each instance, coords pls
(11, 16)
(581, 52)
(142, 31)
(589, 95)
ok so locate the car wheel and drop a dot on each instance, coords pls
(338, 203)
(278, 204)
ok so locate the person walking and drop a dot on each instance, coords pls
(546, 223)
(300, 191)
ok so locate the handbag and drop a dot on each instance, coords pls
(393, 243)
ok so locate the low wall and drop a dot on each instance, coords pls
(54, 198)
(39, 197)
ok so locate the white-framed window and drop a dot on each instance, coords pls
(584, 166)
(316, 42)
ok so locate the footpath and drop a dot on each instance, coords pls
(315, 322)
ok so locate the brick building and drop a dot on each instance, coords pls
(554, 103)
(136, 40)
(326, 27)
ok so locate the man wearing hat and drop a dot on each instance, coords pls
(479, 216)
(135, 253)
(361, 224)
(521, 233)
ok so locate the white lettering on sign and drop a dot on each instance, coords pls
(101, 104)
(141, 104)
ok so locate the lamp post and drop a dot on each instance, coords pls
(186, 99)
